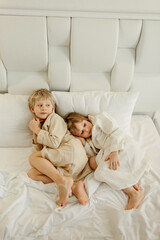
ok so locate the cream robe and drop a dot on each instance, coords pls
(108, 137)
(65, 151)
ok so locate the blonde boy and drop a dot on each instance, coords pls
(58, 156)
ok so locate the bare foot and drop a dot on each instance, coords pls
(134, 200)
(78, 189)
(64, 188)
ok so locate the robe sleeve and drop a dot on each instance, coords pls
(53, 135)
(36, 147)
(108, 135)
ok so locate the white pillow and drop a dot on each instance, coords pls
(156, 120)
(119, 105)
(15, 114)
(14, 119)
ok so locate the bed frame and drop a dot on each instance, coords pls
(70, 46)
(76, 46)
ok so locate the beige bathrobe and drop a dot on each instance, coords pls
(65, 151)
(108, 137)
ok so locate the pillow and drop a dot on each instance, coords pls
(119, 105)
(156, 120)
(15, 114)
(14, 119)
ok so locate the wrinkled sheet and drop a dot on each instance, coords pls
(28, 209)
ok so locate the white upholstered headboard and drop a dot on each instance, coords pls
(81, 45)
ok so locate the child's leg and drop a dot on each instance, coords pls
(44, 166)
(92, 162)
(34, 174)
(78, 189)
(135, 197)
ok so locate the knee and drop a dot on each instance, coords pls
(33, 157)
(92, 162)
(32, 173)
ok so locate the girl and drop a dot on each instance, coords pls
(115, 156)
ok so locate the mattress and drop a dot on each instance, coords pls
(28, 209)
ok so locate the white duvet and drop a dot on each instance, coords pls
(28, 210)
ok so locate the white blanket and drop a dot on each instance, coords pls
(28, 210)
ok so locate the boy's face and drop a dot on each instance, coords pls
(42, 108)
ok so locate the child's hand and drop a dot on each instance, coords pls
(114, 160)
(83, 141)
(34, 125)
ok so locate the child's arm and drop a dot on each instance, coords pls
(114, 160)
(92, 162)
(34, 125)
(53, 133)
(35, 145)
(108, 134)
(83, 141)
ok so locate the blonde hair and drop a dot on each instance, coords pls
(40, 94)
(73, 118)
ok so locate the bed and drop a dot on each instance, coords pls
(114, 67)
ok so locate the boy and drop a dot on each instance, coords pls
(58, 156)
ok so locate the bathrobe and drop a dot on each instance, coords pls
(107, 137)
(61, 148)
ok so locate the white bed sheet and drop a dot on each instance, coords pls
(28, 210)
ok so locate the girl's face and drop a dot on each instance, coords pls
(42, 108)
(84, 129)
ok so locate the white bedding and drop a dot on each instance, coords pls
(28, 210)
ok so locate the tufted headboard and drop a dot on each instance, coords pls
(77, 50)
